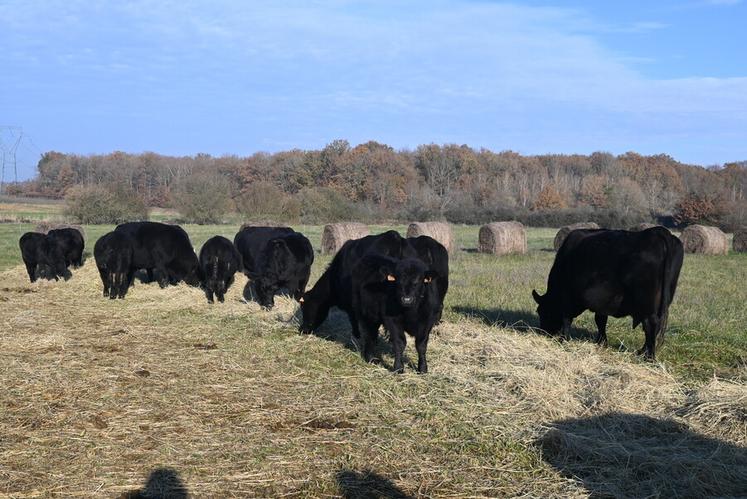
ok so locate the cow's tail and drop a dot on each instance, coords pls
(214, 273)
(671, 273)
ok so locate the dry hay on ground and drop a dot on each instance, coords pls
(502, 238)
(335, 235)
(739, 244)
(44, 227)
(101, 397)
(704, 239)
(440, 231)
(564, 231)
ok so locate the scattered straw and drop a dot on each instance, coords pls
(236, 403)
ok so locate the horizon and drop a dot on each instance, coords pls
(180, 79)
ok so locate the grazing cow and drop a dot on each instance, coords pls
(43, 257)
(334, 287)
(435, 256)
(401, 296)
(617, 273)
(113, 253)
(164, 251)
(219, 261)
(274, 258)
(71, 244)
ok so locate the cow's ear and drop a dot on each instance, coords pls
(536, 296)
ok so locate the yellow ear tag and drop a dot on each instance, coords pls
(390, 278)
(427, 279)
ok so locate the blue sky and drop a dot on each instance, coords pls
(230, 77)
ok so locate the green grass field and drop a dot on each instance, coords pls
(98, 394)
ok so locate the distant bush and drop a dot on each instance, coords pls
(203, 198)
(324, 205)
(265, 201)
(99, 205)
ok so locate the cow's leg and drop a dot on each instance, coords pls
(149, 273)
(565, 331)
(651, 327)
(209, 295)
(397, 337)
(601, 321)
(113, 285)
(31, 270)
(221, 296)
(127, 277)
(370, 332)
(247, 293)
(421, 345)
(354, 325)
(105, 281)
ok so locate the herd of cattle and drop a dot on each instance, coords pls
(382, 279)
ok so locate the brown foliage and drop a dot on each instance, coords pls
(549, 199)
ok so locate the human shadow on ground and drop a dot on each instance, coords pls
(367, 485)
(163, 483)
(634, 455)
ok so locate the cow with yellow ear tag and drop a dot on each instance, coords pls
(400, 295)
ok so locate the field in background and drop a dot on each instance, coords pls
(98, 394)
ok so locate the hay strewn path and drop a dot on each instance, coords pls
(97, 395)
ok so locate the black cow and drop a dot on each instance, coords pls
(43, 257)
(164, 251)
(334, 287)
(113, 253)
(274, 258)
(71, 244)
(219, 261)
(401, 296)
(617, 273)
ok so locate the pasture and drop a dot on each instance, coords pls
(98, 394)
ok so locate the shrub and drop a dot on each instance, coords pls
(95, 204)
(265, 201)
(325, 205)
(203, 198)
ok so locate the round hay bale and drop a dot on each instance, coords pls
(44, 227)
(740, 241)
(704, 239)
(502, 238)
(564, 231)
(440, 231)
(335, 235)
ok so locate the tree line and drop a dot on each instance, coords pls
(373, 181)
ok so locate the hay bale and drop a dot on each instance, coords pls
(739, 245)
(704, 239)
(502, 238)
(440, 231)
(44, 227)
(335, 235)
(564, 231)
